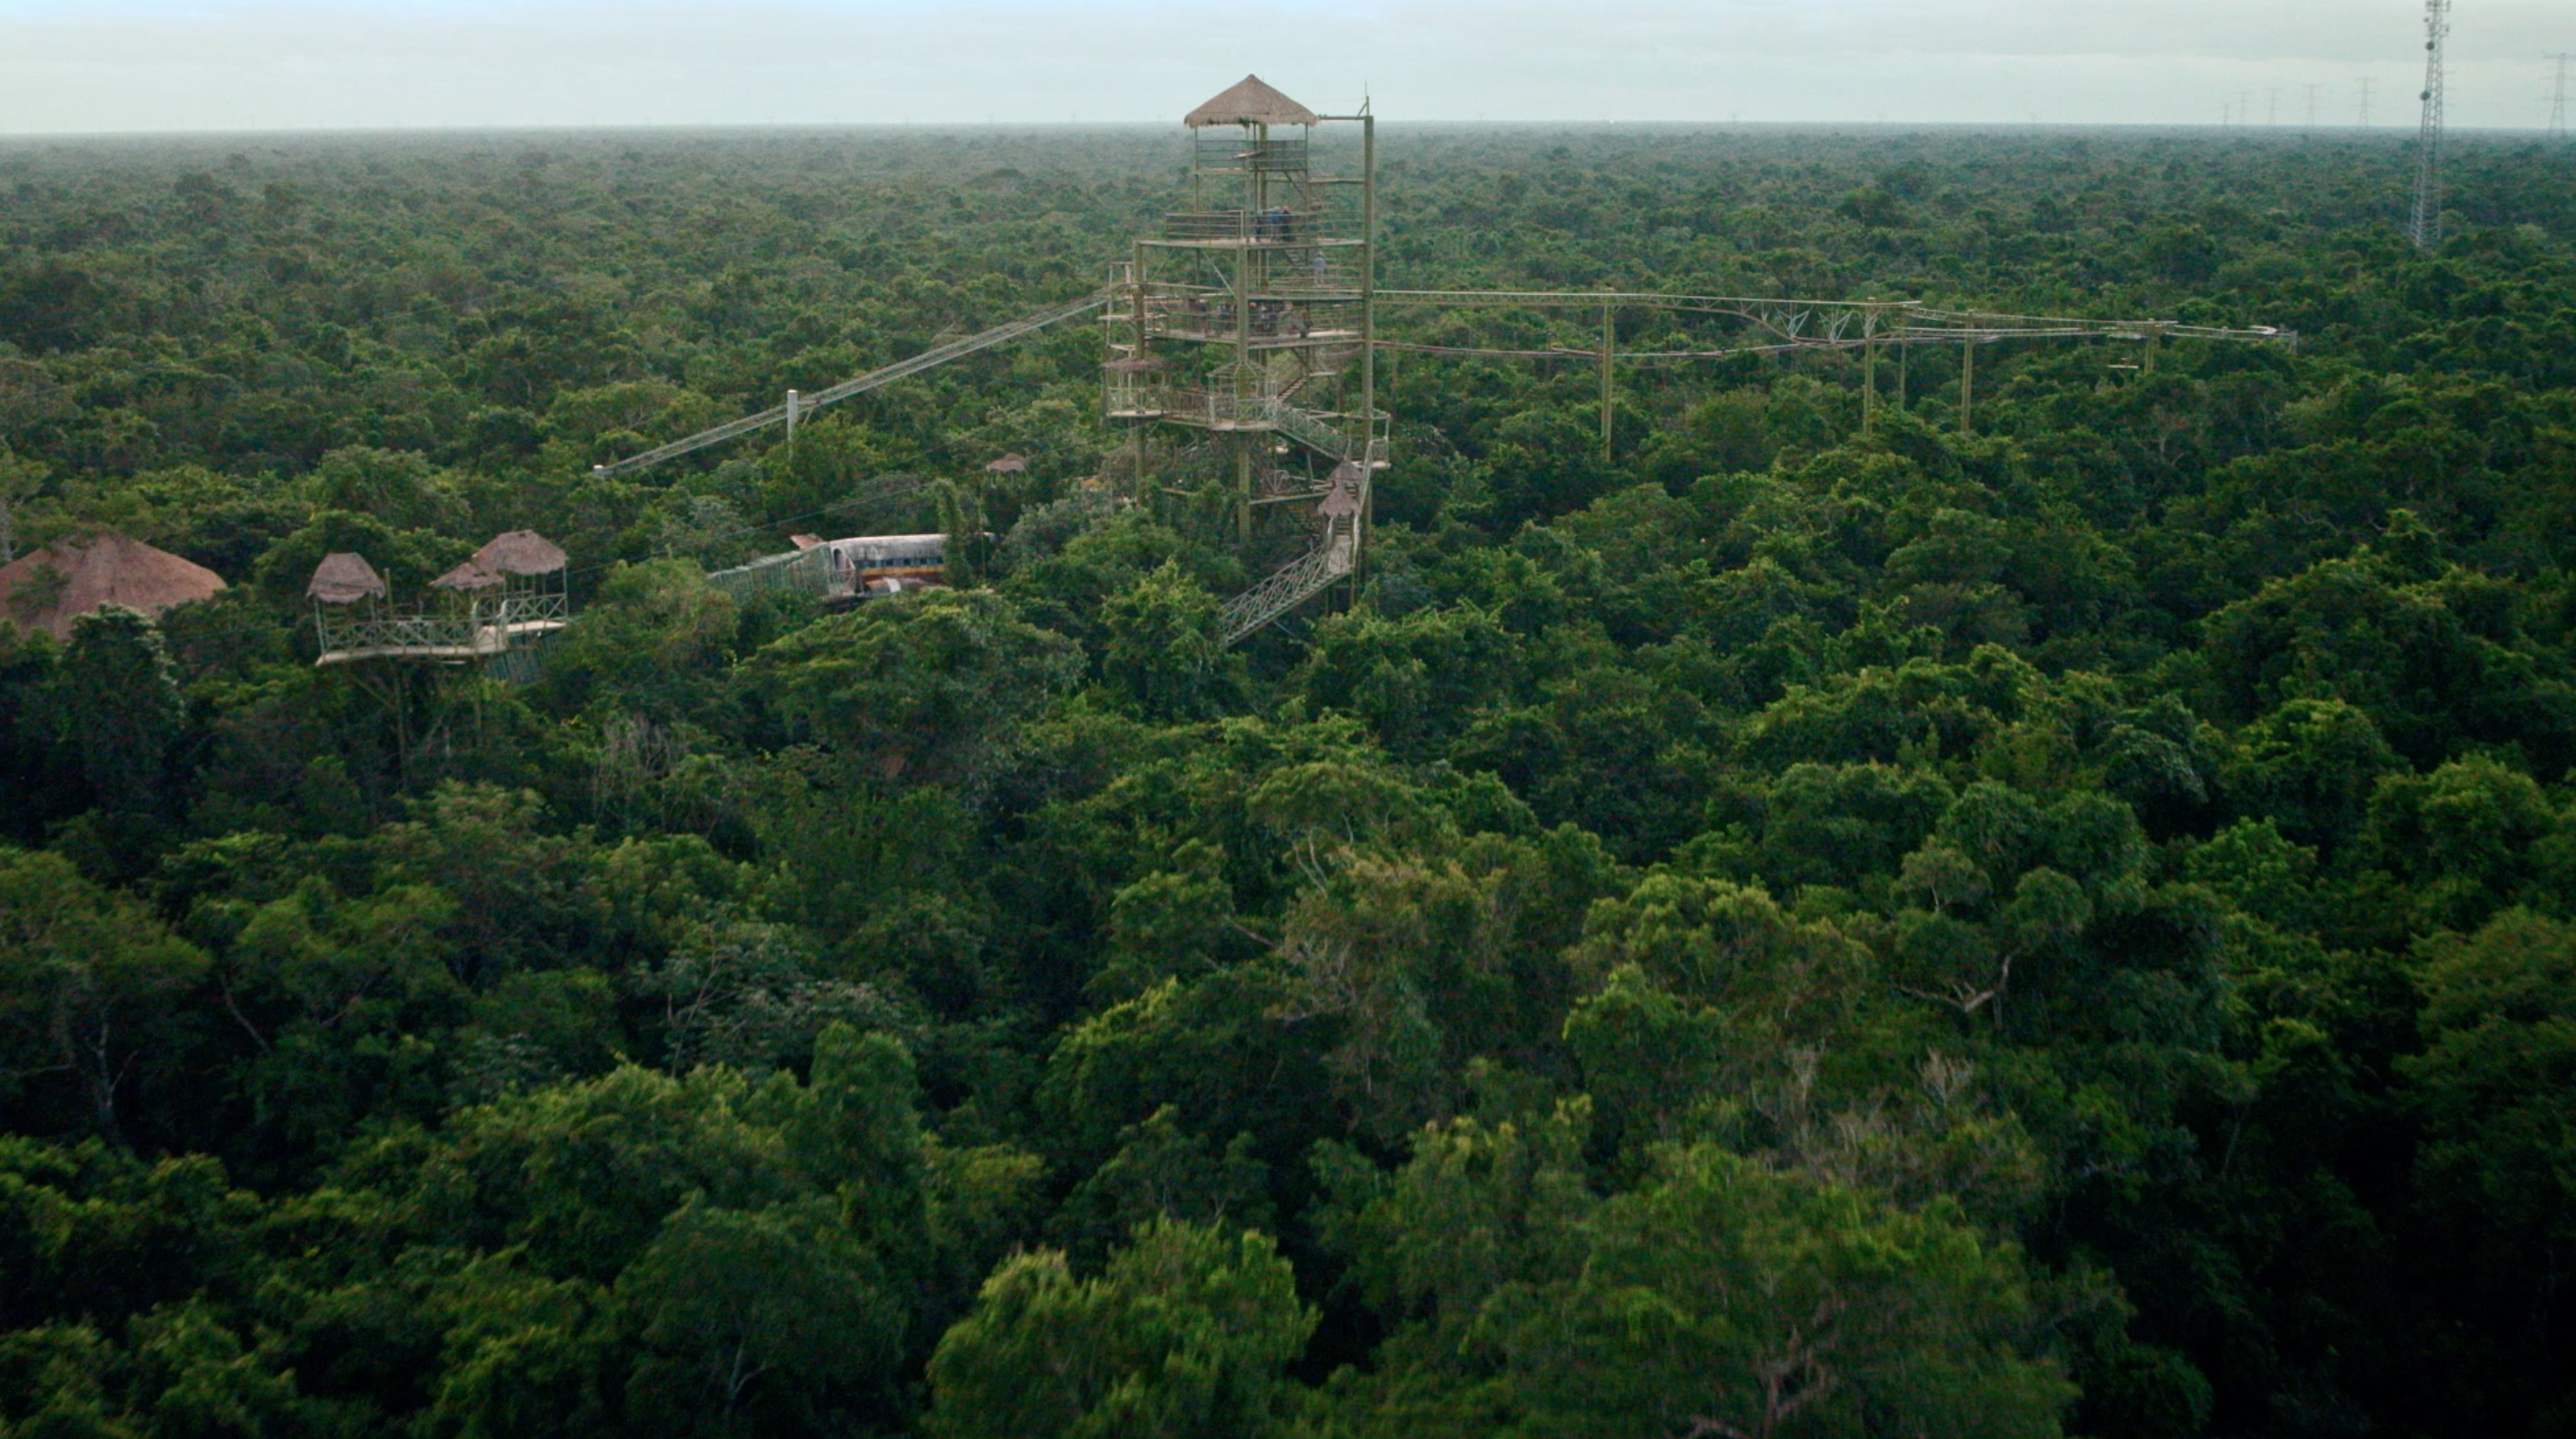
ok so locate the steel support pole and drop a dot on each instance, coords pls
(1869, 373)
(1242, 367)
(1139, 424)
(1968, 387)
(1609, 342)
(1368, 349)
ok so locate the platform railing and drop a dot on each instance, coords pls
(486, 626)
(1270, 324)
(1228, 410)
(1280, 226)
(1220, 153)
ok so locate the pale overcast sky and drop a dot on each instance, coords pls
(72, 66)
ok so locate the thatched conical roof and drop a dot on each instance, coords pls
(344, 579)
(467, 576)
(1250, 102)
(1339, 502)
(520, 552)
(107, 569)
(1010, 464)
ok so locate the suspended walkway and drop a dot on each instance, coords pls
(800, 405)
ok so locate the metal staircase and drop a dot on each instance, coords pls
(1335, 555)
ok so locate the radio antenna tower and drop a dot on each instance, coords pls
(2366, 81)
(2426, 231)
(2558, 97)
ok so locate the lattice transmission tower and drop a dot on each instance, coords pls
(2558, 97)
(2426, 229)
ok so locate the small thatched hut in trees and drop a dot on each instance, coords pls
(51, 587)
(344, 579)
(520, 552)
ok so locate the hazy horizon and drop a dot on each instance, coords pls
(140, 67)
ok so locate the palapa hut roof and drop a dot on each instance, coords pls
(467, 576)
(1339, 502)
(520, 552)
(344, 579)
(1010, 464)
(108, 569)
(1250, 102)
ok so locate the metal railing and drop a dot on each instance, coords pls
(486, 627)
(510, 612)
(1226, 410)
(803, 572)
(1292, 585)
(1276, 226)
(1268, 323)
(1221, 153)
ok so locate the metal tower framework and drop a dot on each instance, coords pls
(2558, 97)
(1251, 321)
(2426, 228)
(1246, 330)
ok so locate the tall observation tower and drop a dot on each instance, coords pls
(1244, 333)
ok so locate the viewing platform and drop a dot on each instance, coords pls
(474, 635)
(1277, 228)
(508, 597)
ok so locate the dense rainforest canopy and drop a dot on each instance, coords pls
(1787, 930)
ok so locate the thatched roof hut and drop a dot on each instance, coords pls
(344, 579)
(51, 587)
(468, 576)
(521, 552)
(1250, 102)
(1010, 464)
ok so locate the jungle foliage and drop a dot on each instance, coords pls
(1787, 930)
